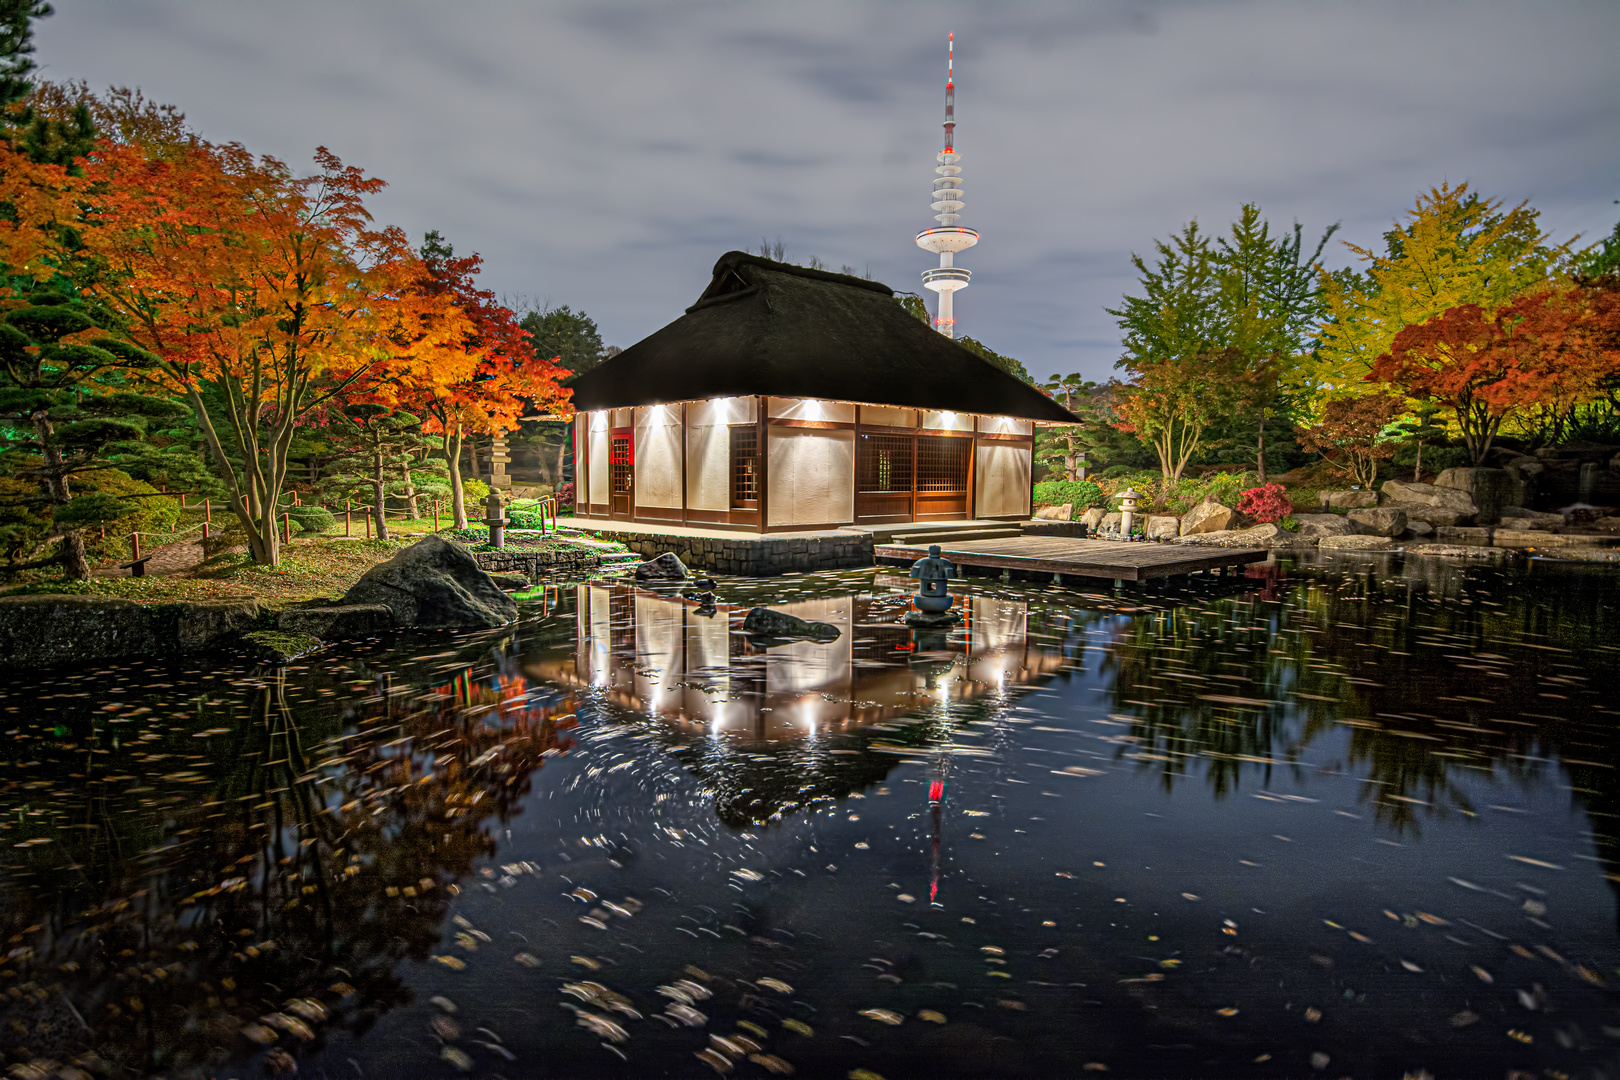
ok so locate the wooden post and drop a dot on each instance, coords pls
(286, 527)
(208, 511)
(435, 515)
(348, 507)
(295, 499)
(135, 546)
(368, 523)
(182, 500)
(205, 530)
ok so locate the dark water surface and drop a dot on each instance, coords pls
(1354, 819)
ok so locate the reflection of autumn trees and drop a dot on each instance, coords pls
(1434, 678)
(324, 863)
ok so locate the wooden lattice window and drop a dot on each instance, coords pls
(942, 463)
(619, 464)
(883, 463)
(745, 467)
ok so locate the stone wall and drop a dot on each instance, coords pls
(537, 564)
(750, 556)
(40, 631)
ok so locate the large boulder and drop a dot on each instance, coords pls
(435, 582)
(1491, 489)
(1206, 517)
(1318, 525)
(1260, 536)
(1419, 528)
(780, 626)
(1407, 495)
(1093, 517)
(1436, 516)
(1055, 513)
(667, 567)
(1350, 500)
(1163, 527)
(1378, 521)
(1111, 521)
(50, 630)
(1356, 542)
(1517, 517)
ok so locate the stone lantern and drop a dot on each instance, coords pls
(932, 601)
(495, 518)
(1127, 511)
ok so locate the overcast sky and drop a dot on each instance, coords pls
(602, 155)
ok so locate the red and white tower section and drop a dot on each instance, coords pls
(947, 238)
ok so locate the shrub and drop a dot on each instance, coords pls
(473, 494)
(1266, 504)
(565, 494)
(311, 519)
(1081, 493)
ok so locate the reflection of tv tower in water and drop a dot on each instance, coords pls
(947, 238)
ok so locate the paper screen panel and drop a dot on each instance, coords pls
(885, 416)
(811, 477)
(1002, 485)
(598, 476)
(708, 450)
(810, 409)
(1005, 425)
(935, 420)
(658, 456)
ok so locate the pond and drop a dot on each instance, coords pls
(1348, 818)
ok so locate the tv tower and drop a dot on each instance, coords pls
(947, 238)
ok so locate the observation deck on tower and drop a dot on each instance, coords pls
(948, 238)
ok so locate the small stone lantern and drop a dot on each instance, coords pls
(932, 601)
(1127, 511)
(495, 518)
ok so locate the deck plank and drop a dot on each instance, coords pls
(1109, 559)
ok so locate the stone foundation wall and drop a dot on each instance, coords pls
(754, 556)
(537, 564)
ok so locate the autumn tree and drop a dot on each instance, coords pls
(1354, 434)
(375, 444)
(1454, 248)
(1169, 403)
(266, 293)
(1484, 365)
(505, 378)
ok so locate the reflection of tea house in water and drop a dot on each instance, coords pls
(653, 654)
(795, 399)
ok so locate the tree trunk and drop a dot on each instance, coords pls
(452, 455)
(410, 489)
(75, 566)
(562, 452)
(378, 511)
(1417, 473)
(1260, 449)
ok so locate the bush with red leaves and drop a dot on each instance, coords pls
(1265, 504)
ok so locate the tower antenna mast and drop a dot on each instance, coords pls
(947, 238)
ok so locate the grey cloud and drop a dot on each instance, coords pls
(602, 155)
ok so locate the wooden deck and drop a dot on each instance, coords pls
(1110, 559)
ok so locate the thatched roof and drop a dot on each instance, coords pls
(764, 327)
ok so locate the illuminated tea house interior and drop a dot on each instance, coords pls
(788, 399)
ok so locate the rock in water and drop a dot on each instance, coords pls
(435, 582)
(667, 567)
(1354, 542)
(1206, 517)
(1380, 521)
(1318, 525)
(765, 623)
(511, 582)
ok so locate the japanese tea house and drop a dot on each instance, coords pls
(792, 399)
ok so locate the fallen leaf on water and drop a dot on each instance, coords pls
(864, 1074)
(800, 1027)
(1484, 976)
(1228, 1011)
(883, 1016)
(458, 1058)
(528, 960)
(585, 962)
(771, 1063)
(259, 1034)
(601, 1026)
(1464, 1018)
(445, 1028)
(342, 989)
(749, 875)
(931, 1016)
(714, 1060)
(1521, 1036)
(1312, 1015)
(776, 984)
(1409, 966)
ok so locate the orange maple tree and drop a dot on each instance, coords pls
(491, 397)
(1559, 343)
(264, 294)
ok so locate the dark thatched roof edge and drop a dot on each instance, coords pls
(769, 328)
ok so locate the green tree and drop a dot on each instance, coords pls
(68, 412)
(376, 446)
(1602, 259)
(17, 46)
(568, 336)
